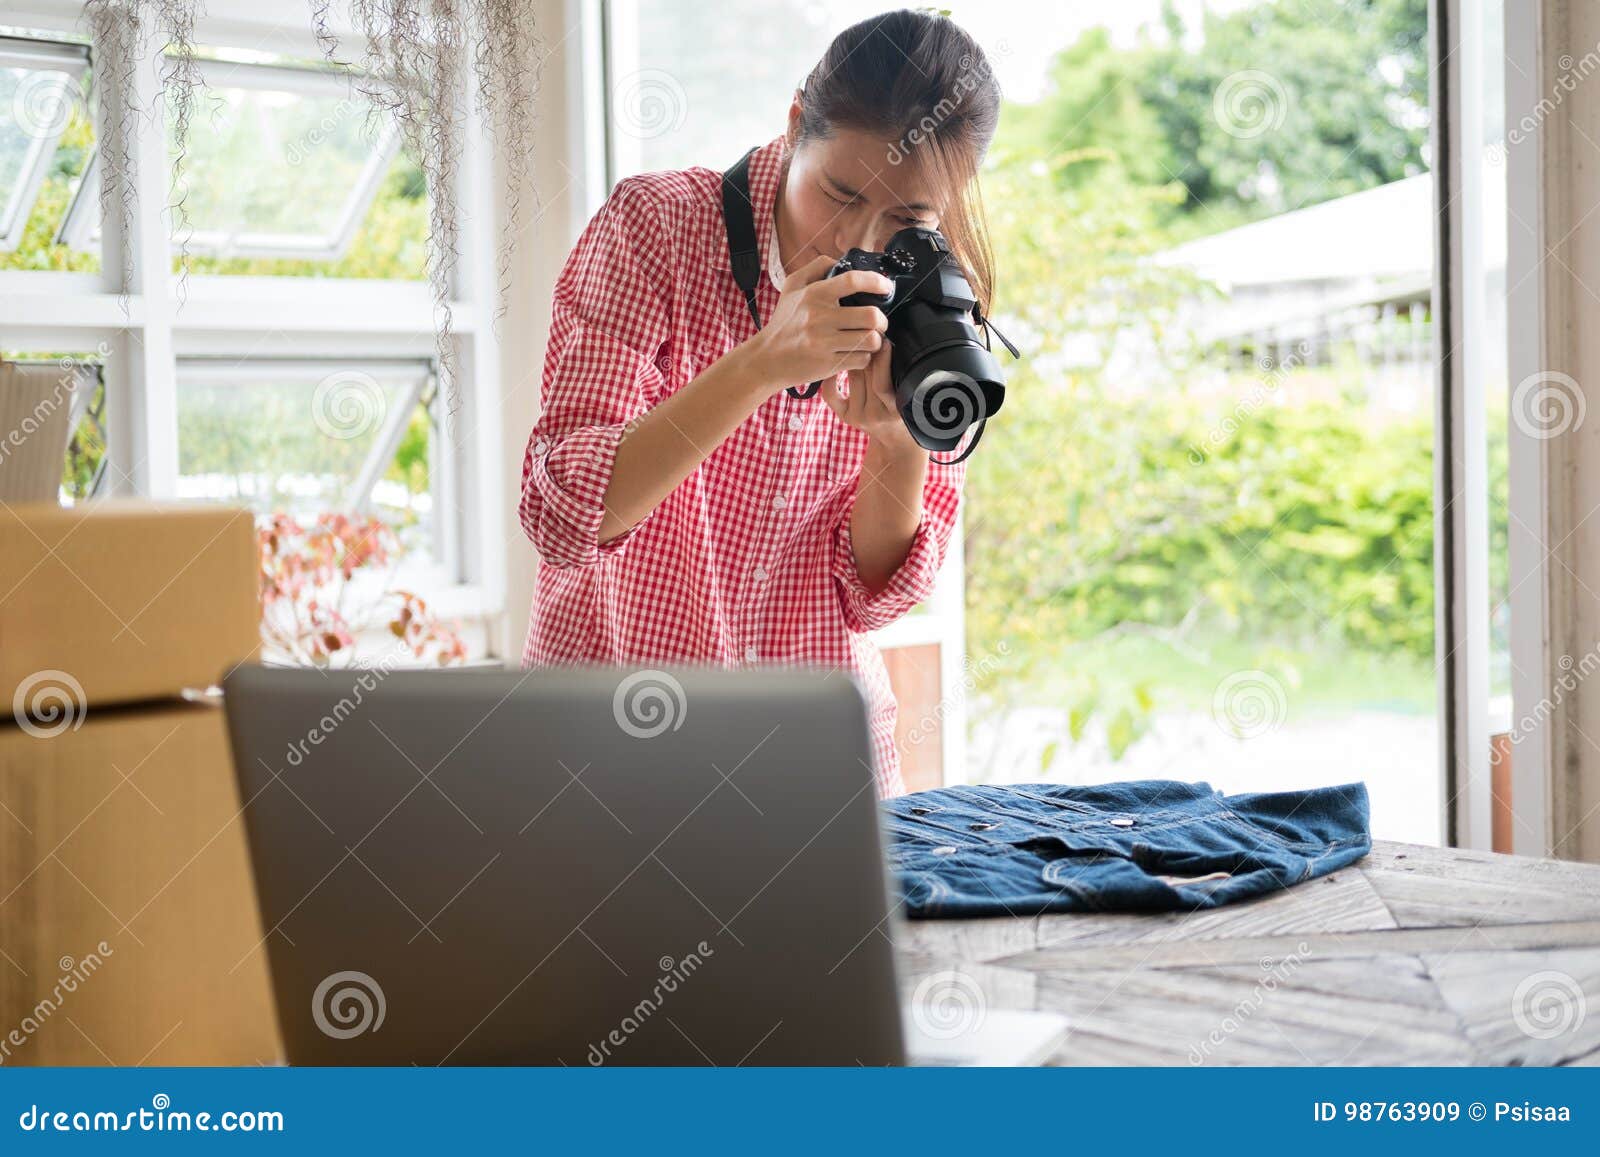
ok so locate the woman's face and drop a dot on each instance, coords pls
(844, 192)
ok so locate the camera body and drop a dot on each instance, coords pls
(945, 378)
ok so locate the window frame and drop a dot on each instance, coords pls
(411, 376)
(80, 225)
(157, 323)
(43, 56)
(1462, 519)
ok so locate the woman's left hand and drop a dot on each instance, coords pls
(870, 405)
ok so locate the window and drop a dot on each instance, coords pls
(244, 438)
(296, 368)
(287, 170)
(46, 136)
(1199, 540)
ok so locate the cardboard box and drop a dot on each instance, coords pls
(129, 931)
(115, 602)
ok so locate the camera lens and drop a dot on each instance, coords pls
(945, 392)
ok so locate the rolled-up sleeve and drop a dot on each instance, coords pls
(913, 581)
(609, 325)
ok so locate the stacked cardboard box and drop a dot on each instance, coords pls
(128, 926)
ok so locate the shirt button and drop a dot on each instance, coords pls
(761, 574)
(540, 445)
(796, 421)
(750, 654)
(779, 502)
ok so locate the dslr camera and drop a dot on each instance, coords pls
(945, 378)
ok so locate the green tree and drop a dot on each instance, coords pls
(1254, 112)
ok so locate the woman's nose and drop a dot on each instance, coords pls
(868, 239)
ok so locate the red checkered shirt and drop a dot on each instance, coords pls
(748, 561)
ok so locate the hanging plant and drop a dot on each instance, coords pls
(114, 33)
(412, 66)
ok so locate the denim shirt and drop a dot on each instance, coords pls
(1150, 845)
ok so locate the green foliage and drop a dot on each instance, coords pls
(38, 250)
(1128, 533)
(391, 241)
(1098, 512)
(410, 465)
(1340, 90)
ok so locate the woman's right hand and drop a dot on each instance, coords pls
(810, 336)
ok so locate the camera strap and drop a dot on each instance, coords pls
(744, 251)
(739, 216)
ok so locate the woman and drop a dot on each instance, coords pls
(688, 509)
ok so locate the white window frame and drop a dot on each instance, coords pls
(43, 56)
(1467, 716)
(410, 377)
(148, 331)
(80, 227)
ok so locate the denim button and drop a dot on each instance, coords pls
(1122, 822)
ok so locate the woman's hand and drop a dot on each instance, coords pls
(810, 336)
(870, 406)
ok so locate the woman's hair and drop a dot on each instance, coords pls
(919, 80)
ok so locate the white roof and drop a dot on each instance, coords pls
(1386, 232)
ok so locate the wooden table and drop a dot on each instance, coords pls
(1413, 956)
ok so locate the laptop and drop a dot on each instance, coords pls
(581, 867)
